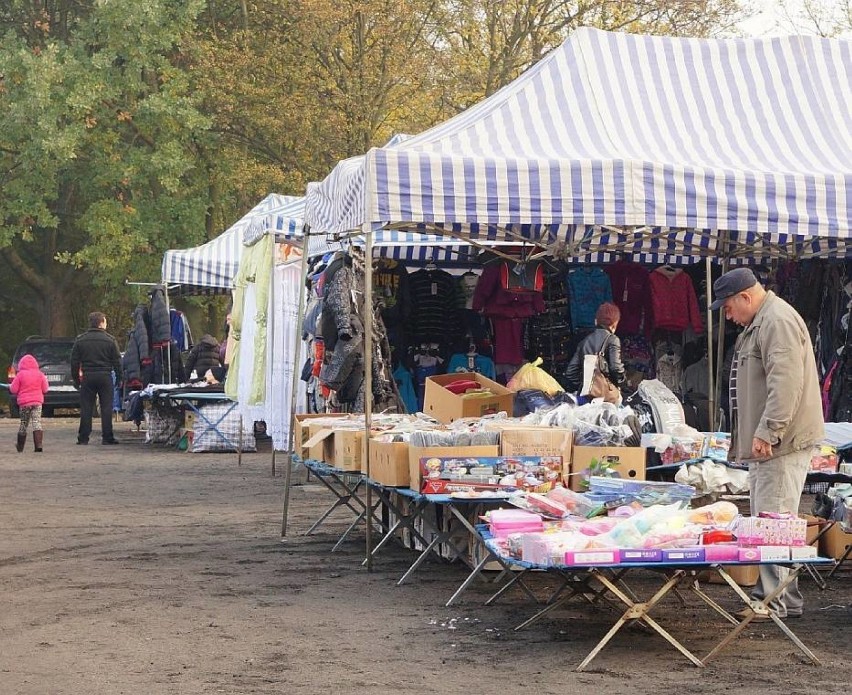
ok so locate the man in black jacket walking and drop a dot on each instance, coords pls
(94, 358)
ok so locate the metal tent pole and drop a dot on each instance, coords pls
(711, 381)
(300, 320)
(368, 382)
(720, 338)
(270, 341)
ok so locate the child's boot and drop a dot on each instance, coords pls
(38, 439)
(22, 439)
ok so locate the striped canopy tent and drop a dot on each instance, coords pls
(658, 146)
(211, 267)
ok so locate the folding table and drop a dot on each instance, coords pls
(346, 487)
(411, 506)
(612, 579)
(194, 400)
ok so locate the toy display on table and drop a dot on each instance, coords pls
(825, 461)
(635, 534)
(447, 474)
(646, 492)
(685, 443)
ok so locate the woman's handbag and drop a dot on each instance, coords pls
(595, 382)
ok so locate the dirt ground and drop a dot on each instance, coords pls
(134, 569)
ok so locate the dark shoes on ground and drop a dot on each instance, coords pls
(111, 441)
(82, 441)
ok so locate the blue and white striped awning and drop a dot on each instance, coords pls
(213, 265)
(285, 221)
(751, 136)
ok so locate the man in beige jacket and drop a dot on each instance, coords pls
(776, 411)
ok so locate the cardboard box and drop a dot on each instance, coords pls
(538, 441)
(834, 542)
(302, 433)
(415, 453)
(744, 575)
(389, 463)
(348, 448)
(446, 406)
(319, 445)
(617, 461)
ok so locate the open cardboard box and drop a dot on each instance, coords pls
(302, 433)
(624, 461)
(341, 448)
(446, 406)
(538, 441)
(834, 542)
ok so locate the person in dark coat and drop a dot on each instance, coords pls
(606, 321)
(204, 355)
(94, 358)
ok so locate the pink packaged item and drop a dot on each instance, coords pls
(784, 530)
(721, 552)
(749, 555)
(506, 521)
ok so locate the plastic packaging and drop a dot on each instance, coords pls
(532, 376)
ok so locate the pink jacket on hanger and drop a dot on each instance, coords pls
(29, 384)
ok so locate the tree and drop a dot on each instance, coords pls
(486, 44)
(826, 19)
(99, 142)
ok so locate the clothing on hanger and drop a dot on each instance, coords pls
(631, 293)
(588, 288)
(434, 302)
(674, 302)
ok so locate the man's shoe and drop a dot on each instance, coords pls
(82, 441)
(111, 441)
(763, 617)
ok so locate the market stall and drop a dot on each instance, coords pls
(711, 162)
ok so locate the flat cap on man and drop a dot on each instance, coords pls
(731, 283)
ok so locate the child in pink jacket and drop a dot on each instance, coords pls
(29, 385)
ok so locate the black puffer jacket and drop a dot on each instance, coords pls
(591, 345)
(203, 356)
(161, 324)
(335, 322)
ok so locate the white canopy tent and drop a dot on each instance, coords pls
(615, 138)
(212, 266)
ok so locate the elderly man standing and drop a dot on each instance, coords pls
(776, 411)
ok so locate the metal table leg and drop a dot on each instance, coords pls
(761, 607)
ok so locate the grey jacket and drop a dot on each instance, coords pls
(778, 396)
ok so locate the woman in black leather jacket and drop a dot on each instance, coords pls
(606, 320)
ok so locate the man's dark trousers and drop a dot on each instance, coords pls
(96, 385)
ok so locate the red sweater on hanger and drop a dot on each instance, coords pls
(631, 292)
(673, 300)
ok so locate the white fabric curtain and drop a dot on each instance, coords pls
(281, 351)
